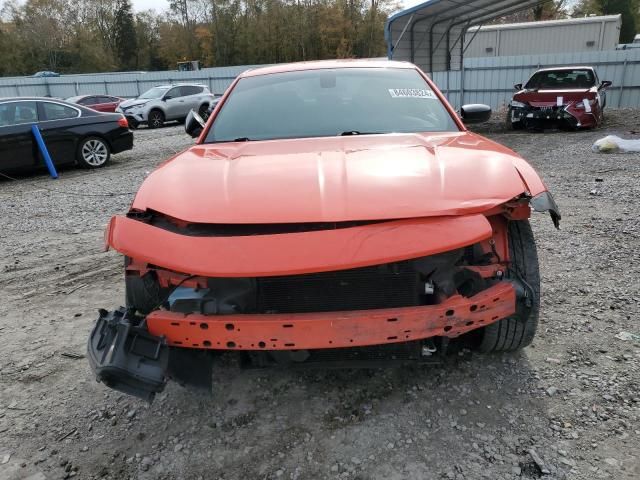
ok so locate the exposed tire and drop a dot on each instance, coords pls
(93, 152)
(514, 333)
(203, 111)
(155, 119)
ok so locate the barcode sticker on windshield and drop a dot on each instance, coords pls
(411, 93)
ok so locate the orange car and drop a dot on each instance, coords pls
(329, 212)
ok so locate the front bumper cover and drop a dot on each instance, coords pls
(294, 253)
(566, 115)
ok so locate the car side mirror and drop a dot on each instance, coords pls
(518, 86)
(194, 124)
(605, 84)
(475, 113)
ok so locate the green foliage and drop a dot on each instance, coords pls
(80, 36)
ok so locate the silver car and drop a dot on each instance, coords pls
(166, 102)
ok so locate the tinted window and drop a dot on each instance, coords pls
(56, 111)
(174, 93)
(87, 101)
(561, 79)
(190, 90)
(15, 113)
(321, 103)
(104, 100)
(155, 92)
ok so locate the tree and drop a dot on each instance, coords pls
(77, 36)
(550, 10)
(125, 37)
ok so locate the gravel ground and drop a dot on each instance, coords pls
(567, 407)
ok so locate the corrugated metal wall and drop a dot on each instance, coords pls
(487, 80)
(490, 80)
(118, 84)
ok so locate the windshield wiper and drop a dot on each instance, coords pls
(357, 132)
(242, 139)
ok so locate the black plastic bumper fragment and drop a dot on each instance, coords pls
(127, 357)
(544, 202)
(536, 118)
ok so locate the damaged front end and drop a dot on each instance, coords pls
(304, 294)
(539, 116)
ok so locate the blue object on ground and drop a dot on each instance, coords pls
(44, 151)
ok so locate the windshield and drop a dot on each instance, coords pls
(330, 102)
(155, 92)
(561, 80)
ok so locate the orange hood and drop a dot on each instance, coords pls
(334, 179)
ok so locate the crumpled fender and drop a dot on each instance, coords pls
(541, 199)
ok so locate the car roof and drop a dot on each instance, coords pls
(325, 64)
(27, 99)
(577, 67)
(170, 85)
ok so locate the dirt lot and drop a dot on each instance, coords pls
(571, 402)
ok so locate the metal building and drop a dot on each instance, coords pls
(588, 34)
(431, 34)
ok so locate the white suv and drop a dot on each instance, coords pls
(166, 102)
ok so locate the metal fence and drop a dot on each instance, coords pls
(483, 80)
(126, 84)
(490, 80)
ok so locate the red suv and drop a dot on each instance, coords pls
(566, 97)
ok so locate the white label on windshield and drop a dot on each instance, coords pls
(559, 101)
(412, 93)
(587, 105)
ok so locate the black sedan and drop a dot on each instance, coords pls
(73, 134)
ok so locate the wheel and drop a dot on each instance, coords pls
(133, 124)
(514, 333)
(143, 294)
(156, 119)
(510, 124)
(203, 111)
(93, 152)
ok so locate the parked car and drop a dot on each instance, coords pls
(73, 134)
(568, 97)
(45, 73)
(305, 227)
(166, 102)
(101, 103)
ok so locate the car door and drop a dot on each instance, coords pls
(57, 122)
(104, 104)
(17, 145)
(192, 96)
(174, 104)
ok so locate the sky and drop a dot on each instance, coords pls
(158, 5)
